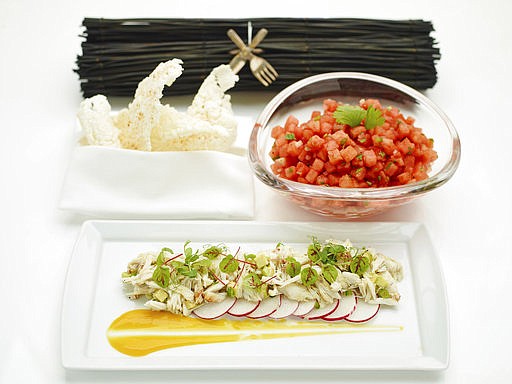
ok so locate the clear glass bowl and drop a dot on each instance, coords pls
(304, 96)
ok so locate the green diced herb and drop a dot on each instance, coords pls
(230, 291)
(384, 293)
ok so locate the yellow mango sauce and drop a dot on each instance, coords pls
(141, 332)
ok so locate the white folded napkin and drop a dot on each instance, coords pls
(120, 183)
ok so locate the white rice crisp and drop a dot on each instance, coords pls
(148, 125)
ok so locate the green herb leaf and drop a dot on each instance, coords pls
(359, 264)
(189, 272)
(190, 256)
(250, 256)
(292, 266)
(374, 118)
(330, 273)
(189, 259)
(228, 264)
(202, 263)
(314, 250)
(349, 115)
(252, 280)
(308, 276)
(290, 136)
(176, 264)
(162, 276)
(160, 260)
(213, 251)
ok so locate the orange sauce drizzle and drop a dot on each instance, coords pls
(141, 332)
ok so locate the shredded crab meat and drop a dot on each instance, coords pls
(378, 284)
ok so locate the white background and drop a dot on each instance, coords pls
(469, 218)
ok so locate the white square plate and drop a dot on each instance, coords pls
(94, 297)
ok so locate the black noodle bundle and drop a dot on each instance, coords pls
(118, 53)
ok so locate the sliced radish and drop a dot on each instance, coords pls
(363, 312)
(304, 307)
(213, 310)
(286, 308)
(346, 307)
(266, 307)
(318, 313)
(243, 307)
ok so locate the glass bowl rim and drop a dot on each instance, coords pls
(380, 193)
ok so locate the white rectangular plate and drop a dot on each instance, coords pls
(94, 297)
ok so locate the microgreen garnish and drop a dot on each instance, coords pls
(330, 273)
(228, 264)
(162, 274)
(213, 251)
(252, 280)
(308, 276)
(360, 264)
(292, 266)
(325, 260)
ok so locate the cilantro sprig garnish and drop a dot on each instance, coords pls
(353, 116)
(349, 115)
(374, 118)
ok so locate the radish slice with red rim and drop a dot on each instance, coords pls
(346, 306)
(318, 313)
(286, 308)
(304, 307)
(363, 312)
(266, 308)
(243, 307)
(210, 311)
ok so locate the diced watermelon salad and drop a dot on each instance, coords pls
(352, 146)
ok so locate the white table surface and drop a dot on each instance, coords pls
(469, 218)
